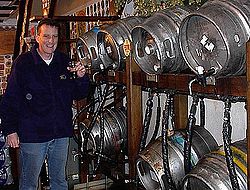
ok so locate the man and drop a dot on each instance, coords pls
(36, 109)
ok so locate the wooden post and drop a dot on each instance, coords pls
(52, 8)
(20, 22)
(134, 105)
(248, 114)
(24, 34)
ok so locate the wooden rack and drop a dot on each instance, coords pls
(135, 79)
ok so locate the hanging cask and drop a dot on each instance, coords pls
(213, 38)
(115, 133)
(156, 44)
(211, 172)
(150, 163)
(114, 42)
(6, 177)
(87, 50)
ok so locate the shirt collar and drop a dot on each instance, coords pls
(37, 58)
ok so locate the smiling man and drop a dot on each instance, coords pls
(47, 38)
(36, 109)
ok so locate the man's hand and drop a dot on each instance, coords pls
(13, 140)
(78, 68)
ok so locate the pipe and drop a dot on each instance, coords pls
(188, 141)
(202, 112)
(96, 114)
(158, 119)
(147, 119)
(226, 132)
(165, 124)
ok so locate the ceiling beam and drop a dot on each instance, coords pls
(9, 8)
(4, 15)
(78, 18)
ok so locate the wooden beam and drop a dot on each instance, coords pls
(78, 18)
(248, 114)
(233, 86)
(20, 22)
(4, 15)
(26, 23)
(134, 118)
(52, 8)
(8, 8)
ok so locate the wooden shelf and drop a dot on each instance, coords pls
(229, 86)
(232, 86)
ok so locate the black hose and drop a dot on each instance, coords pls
(75, 120)
(90, 97)
(86, 108)
(158, 119)
(165, 127)
(227, 130)
(96, 114)
(172, 115)
(147, 119)
(189, 130)
(202, 113)
(100, 149)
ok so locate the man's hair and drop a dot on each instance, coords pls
(46, 21)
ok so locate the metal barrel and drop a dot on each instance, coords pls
(156, 43)
(211, 171)
(6, 177)
(2, 140)
(150, 163)
(87, 50)
(214, 37)
(111, 40)
(115, 133)
(5, 159)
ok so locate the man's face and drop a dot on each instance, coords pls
(47, 39)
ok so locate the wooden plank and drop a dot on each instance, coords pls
(26, 23)
(117, 77)
(20, 23)
(134, 117)
(8, 8)
(52, 9)
(4, 15)
(78, 18)
(248, 114)
(234, 86)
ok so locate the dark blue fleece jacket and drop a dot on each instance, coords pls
(38, 99)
